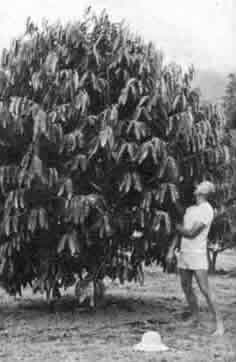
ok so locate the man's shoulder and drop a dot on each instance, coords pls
(206, 206)
(191, 212)
(191, 208)
(206, 209)
(200, 211)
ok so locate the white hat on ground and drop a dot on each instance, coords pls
(205, 188)
(151, 342)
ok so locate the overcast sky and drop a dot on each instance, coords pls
(188, 31)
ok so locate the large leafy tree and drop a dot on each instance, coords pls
(98, 138)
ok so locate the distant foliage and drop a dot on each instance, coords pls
(98, 138)
(222, 235)
(230, 100)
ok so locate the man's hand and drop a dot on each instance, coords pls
(171, 252)
(170, 256)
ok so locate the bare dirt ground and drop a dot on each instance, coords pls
(71, 334)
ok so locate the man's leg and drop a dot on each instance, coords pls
(186, 277)
(202, 280)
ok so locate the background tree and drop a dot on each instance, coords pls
(230, 100)
(221, 236)
(98, 138)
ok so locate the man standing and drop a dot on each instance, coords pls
(192, 259)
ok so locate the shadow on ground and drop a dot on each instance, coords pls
(73, 334)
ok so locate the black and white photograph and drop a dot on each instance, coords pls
(118, 181)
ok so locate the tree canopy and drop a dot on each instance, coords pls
(98, 138)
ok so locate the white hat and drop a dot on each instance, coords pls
(204, 188)
(151, 342)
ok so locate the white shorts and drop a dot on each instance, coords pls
(192, 261)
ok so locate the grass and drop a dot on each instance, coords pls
(71, 334)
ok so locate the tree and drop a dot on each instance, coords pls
(230, 100)
(221, 237)
(98, 138)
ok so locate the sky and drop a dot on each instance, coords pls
(187, 31)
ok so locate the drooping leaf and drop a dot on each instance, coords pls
(51, 62)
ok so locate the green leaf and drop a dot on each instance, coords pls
(95, 49)
(163, 191)
(32, 220)
(61, 244)
(82, 101)
(42, 216)
(95, 83)
(173, 193)
(106, 137)
(36, 166)
(73, 243)
(137, 182)
(126, 183)
(51, 62)
(124, 97)
(107, 226)
(143, 101)
(40, 122)
(114, 114)
(117, 43)
(159, 216)
(36, 81)
(137, 128)
(7, 222)
(121, 152)
(144, 152)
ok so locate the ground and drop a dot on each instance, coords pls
(71, 334)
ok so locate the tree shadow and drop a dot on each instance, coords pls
(111, 306)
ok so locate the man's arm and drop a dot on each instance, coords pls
(174, 243)
(179, 210)
(193, 232)
(171, 251)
